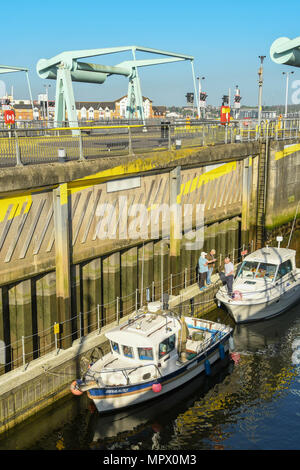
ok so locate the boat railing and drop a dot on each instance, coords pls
(96, 376)
(216, 335)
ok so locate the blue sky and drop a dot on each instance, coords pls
(224, 37)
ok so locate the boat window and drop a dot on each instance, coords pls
(166, 346)
(248, 269)
(266, 271)
(145, 354)
(115, 347)
(284, 268)
(127, 351)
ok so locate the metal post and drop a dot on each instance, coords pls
(18, 155)
(81, 156)
(129, 141)
(55, 338)
(260, 84)
(80, 327)
(98, 319)
(136, 299)
(23, 352)
(118, 309)
(169, 137)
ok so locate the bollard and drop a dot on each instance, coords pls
(62, 155)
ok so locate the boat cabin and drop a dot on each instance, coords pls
(148, 337)
(269, 264)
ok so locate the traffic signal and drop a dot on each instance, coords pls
(203, 96)
(225, 100)
(190, 97)
(237, 98)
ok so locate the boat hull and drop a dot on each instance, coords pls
(110, 399)
(245, 312)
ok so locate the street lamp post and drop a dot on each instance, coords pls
(286, 90)
(47, 86)
(260, 84)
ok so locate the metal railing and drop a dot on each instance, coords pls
(29, 145)
(28, 348)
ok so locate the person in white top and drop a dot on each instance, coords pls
(228, 276)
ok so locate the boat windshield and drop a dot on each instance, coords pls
(248, 269)
(166, 346)
(256, 270)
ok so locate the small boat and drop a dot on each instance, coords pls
(150, 355)
(267, 284)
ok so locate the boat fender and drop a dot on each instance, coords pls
(237, 295)
(235, 357)
(74, 388)
(221, 351)
(231, 343)
(156, 387)
(207, 367)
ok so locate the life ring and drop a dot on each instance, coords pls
(74, 388)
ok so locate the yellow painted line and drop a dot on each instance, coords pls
(287, 151)
(205, 178)
(17, 203)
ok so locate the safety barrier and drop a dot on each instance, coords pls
(26, 145)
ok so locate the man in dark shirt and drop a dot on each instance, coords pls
(211, 258)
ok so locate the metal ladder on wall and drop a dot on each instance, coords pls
(261, 198)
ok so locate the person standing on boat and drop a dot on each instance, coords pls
(203, 269)
(228, 276)
(211, 257)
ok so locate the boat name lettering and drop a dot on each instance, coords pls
(118, 390)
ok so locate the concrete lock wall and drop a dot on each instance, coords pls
(61, 262)
(283, 185)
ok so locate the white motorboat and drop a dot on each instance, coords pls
(267, 284)
(152, 354)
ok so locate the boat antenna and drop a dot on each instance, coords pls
(293, 226)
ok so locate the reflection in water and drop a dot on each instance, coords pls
(252, 403)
